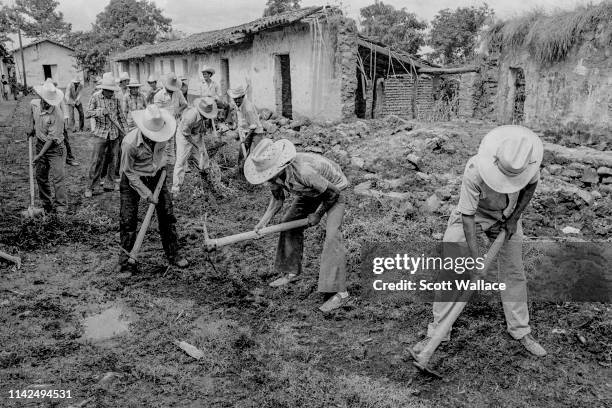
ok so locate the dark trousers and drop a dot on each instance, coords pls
(332, 270)
(116, 158)
(129, 217)
(103, 155)
(50, 170)
(69, 155)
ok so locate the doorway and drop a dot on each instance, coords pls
(49, 71)
(518, 103)
(283, 86)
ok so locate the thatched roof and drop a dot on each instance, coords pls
(550, 37)
(216, 39)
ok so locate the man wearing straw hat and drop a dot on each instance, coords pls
(105, 108)
(317, 184)
(70, 160)
(498, 184)
(74, 92)
(133, 101)
(153, 89)
(190, 146)
(47, 125)
(212, 89)
(124, 80)
(246, 115)
(142, 162)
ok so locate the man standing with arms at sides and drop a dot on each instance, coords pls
(133, 101)
(105, 107)
(153, 89)
(74, 92)
(212, 89)
(47, 125)
(498, 184)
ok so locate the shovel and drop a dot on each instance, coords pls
(32, 211)
(147, 220)
(452, 314)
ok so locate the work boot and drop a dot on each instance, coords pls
(285, 280)
(532, 346)
(333, 303)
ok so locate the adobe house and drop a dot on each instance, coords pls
(547, 70)
(305, 63)
(46, 59)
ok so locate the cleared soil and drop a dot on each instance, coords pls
(67, 321)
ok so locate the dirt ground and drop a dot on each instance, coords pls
(67, 321)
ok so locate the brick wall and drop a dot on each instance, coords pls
(399, 92)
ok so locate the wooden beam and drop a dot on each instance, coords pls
(441, 71)
(385, 51)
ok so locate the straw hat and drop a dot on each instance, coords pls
(152, 78)
(237, 92)
(208, 69)
(133, 84)
(267, 159)
(171, 83)
(155, 123)
(76, 80)
(206, 106)
(509, 157)
(124, 76)
(49, 93)
(108, 82)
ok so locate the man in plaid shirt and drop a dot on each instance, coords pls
(110, 127)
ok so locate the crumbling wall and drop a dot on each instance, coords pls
(399, 96)
(578, 89)
(346, 61)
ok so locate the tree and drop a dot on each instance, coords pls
(397, 28)
(41, 19)
(122, 24)
(453, 33)
(280, 6)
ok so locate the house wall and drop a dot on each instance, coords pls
(578, 89)
(399, 93)
(46, 53)
(316, 81)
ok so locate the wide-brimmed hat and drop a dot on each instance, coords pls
(267, 159)
(509, 157)
(208, 69)
(206, 106)
(155, 123)
(171, 83)
(49, 93)
(108, 82)
(133, 84)
(238, 91)
(76, 80)
(152, 78)
(124, 76)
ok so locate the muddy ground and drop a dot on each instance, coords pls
(262, 347)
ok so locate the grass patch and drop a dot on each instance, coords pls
(550, 37)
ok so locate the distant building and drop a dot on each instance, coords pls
(46, 59)
(303, 63)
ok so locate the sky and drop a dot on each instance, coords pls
(192, 16)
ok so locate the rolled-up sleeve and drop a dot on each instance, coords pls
(469, 195)
(128, 156)
(93, 109)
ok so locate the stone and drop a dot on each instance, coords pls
(283, 121)
(432, 204)
(554, 168)
(606, 180)
(596, 195)
(437, 236)
(585, 195)
(604, 171)
(570, 230)
(357, 162)
(395, 183)
(576, 166)
(269, 126)
(315, 149)
(444, 193)
(406, 209)
(414, 159)
(265, 114)
(371, 176)
(423, 176)
(396, 196)
(606, 189)
(570, 173)
(589, 175)
(366, 185)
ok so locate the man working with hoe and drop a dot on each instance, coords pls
(498, 184)
(143, 162)
(317, 184)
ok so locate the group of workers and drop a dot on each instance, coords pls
(139, 135)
